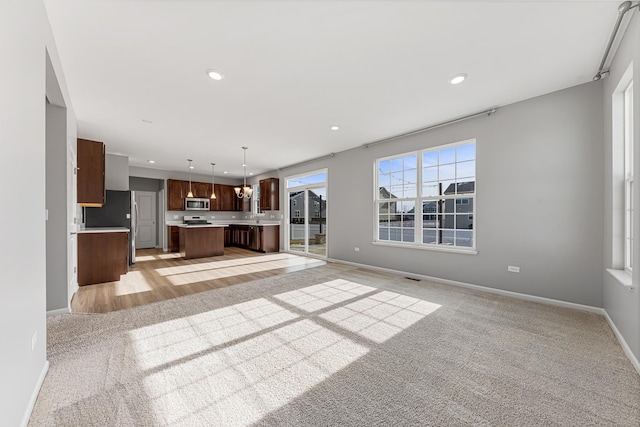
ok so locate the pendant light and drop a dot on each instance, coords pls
(213, 185)
(245, 191)
(190, 193)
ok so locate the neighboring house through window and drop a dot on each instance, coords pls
(441, 183)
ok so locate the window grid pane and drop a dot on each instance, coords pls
(629, 175)
(444, 190)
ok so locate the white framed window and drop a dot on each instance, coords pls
(296, 214)
(628, 176)
(427, 198)
(255, 200)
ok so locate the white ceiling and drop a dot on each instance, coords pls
(295, 68)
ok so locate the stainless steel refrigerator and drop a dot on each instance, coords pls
(119, 210)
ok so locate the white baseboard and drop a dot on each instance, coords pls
(627, 350)
(58, 311)
(632, 358)
(533, 298)
(34, 395)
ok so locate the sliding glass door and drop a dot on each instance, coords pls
(307, 214)
(297, 222)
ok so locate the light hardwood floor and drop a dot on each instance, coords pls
(158, 276)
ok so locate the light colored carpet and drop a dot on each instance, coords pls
(337, 345)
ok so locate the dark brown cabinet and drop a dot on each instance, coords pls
(270, 194)
(201, 190)
(91, 189)
(269, 238)
(201, 242)
(214, 204)
(244, 205)
(261, 238)
(102, 257)
(174, 238)
(227, 237)
(175, 194)
(227, 199)
(241, 236)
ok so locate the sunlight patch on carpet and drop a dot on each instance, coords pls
(317, 297)
(380, 316)
(166, 342)
(239, 384)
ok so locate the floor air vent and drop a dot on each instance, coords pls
(412, 278)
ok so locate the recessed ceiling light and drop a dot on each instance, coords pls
(151, 161)
(215, 74)
(191, 167)
(458, 78)
(225, 172)
(335, 127)
(250, 173)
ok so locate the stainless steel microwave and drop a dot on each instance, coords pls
(195, 204)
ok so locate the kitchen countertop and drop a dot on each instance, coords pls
(103, 230)
(220, 224)
(199, 225)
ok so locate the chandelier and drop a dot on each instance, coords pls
(244, 191)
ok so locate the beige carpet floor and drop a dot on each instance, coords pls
(337, 345)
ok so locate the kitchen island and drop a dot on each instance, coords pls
(199, 241)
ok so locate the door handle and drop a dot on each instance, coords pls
(137, 219)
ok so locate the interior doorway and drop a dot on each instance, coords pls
(146, 218)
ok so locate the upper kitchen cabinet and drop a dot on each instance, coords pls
(214, 204)
(176, 194)
(270, 194)
(244, 205)
(227, 199)
(91, 189)
(201, 190)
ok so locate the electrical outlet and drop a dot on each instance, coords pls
(175, 217)
(34, 340)
(213, 217)
(233, 217)
(513, 269)
(357, 249)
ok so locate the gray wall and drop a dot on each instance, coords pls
(22, 154)
(56, 203)
(539, 199)
(621, 303)
(116, 174)
(145, 184)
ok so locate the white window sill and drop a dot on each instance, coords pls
(427, 247)
(622, 276)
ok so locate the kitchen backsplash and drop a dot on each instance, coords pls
(269, 216)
